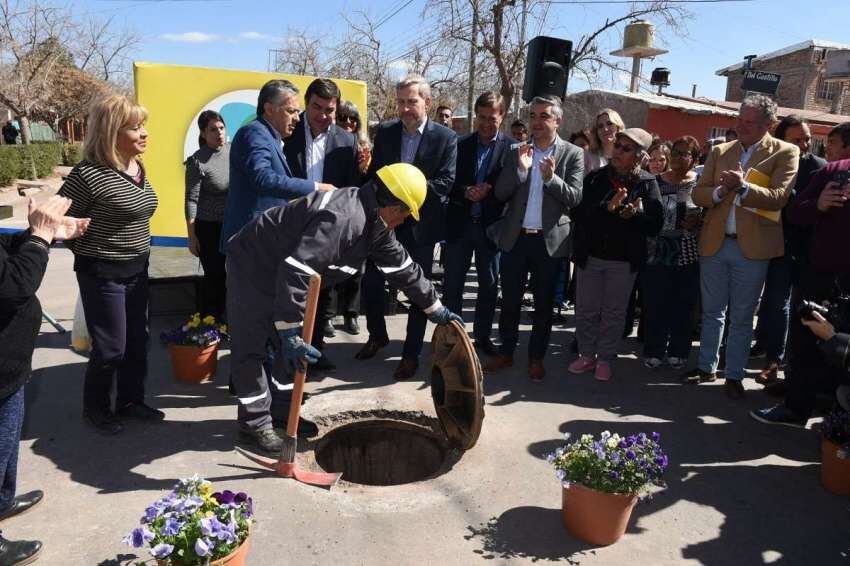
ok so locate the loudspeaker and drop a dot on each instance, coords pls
(547, 67)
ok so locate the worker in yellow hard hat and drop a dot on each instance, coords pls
(269, 265)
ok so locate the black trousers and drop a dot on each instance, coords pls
(528, 256)
(117, 319)
(214, 289)
(807, 372)
(11, 421)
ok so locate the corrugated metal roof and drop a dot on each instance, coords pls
(811, 43)
(653, 100)
(709, 106)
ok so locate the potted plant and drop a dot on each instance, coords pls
(602, 480)
(193, 526)
(194, 347)
(835, 448)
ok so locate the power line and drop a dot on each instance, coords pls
(387, 18)
(633, 2)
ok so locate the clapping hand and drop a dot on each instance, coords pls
(547, 168)
(631, 209)
(48, 220)
(525, 157)
(731, 180)
(617, 200)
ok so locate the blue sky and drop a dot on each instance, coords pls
(239, 33)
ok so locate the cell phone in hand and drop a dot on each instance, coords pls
(842, 178)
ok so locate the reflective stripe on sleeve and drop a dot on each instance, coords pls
(344, 269)
(325, 199)
(281, 325)
(282, 387)
(304, 268)
(407, 262)
(437, 304)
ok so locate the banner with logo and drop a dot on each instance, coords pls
(175, 96)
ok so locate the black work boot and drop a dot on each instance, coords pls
(18, 552)
(265, 439)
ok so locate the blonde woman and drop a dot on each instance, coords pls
(606, 125)
(111, 259)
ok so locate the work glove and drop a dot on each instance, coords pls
(294, 351)
(443, 316)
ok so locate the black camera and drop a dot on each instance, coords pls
(836, 311)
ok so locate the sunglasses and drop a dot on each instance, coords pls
(680, 153)
(625, 148)
(347, 119)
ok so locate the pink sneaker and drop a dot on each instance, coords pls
(603, 371)
(582, 364)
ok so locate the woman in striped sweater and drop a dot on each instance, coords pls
(111, 260)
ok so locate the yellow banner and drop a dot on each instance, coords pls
(175, 96)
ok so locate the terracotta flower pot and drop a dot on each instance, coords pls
(834, 471)
(596, 517)
(193, 363)
(235, 558)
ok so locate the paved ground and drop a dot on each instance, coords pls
(739, 492)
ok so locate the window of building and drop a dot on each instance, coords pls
(718, 133)
(826, 89)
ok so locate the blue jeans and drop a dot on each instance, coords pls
(729, 283)
(11, 421)
(669, 297)
(458, 259)
(775, 308)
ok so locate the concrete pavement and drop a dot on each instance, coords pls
(739, 492)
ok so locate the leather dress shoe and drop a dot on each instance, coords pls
(104, 421)
(734, 388)
(22, 504)
(536, 371)
(487, 347)
(406, 369)
(499, 363)
(351, 325)
(328, 329)
(19, 552)
(139, 411)
(768, 374)
(370, 348)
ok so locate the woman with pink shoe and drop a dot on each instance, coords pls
(620, 208)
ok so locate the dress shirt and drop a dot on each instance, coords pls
(482, 165)
(731, 227)
(314, 153)
(533, 219)
(410, 142)
(315, 183)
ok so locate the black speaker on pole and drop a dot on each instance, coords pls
(547, 67)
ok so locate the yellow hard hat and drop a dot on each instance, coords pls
(407, 183)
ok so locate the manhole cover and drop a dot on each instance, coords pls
(382, 452)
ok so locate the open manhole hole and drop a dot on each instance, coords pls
(382, 452)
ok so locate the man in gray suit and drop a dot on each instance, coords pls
(541, 181)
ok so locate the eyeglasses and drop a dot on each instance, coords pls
(624, 148)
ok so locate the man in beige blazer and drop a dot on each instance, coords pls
(743, 188)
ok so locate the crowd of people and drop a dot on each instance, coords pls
(699, 237)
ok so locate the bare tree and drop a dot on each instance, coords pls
(501, 33)
(40, 43)
(302, 54)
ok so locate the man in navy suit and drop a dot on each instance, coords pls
(320, 151)
(433, 149)
(473, 207)
(260, 177)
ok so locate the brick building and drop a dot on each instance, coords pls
(802, 86)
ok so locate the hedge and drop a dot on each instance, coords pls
(18, 161)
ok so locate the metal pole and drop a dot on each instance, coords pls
(635, 85)
(522, 35)
(694, 91)
(473, 52)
